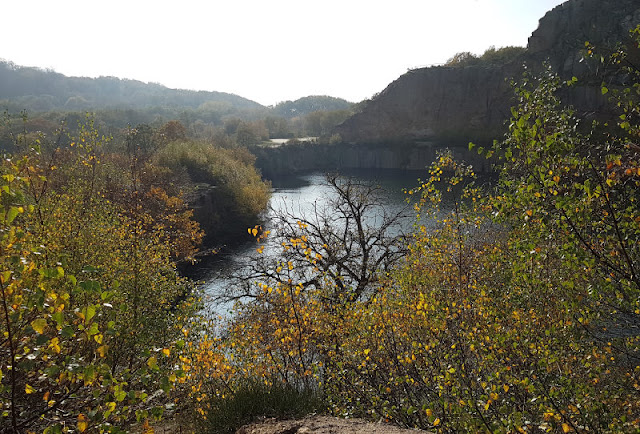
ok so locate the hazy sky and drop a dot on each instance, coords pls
(265, 50)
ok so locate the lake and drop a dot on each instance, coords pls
(298, 194)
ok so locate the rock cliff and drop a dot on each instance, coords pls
(453, 105)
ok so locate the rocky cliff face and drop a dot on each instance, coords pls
(562, 32)
(453, 105)
(288, 159)
(440, 104)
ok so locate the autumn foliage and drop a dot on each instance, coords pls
(512, 306)
(91, 305)
(515, 309)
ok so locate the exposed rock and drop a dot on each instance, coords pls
(289, 159)
(563, 31)
(454, 105)
(445, 104)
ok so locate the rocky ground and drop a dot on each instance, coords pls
(322, 425)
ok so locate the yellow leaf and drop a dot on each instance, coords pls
(152, 362)
(54, 345)
(566, 428)
(166, 351)
(29, 389)
(436, 422)
(39, 325)
(102, 350)
(146, 428)
(429, 412)
(83, 424)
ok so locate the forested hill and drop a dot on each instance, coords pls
(39, 90)
(310, 104)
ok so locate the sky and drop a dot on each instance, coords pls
(264, 50)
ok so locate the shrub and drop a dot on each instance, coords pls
(254, 399)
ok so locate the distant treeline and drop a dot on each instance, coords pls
(50, 97)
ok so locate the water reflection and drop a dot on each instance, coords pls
(299, 195)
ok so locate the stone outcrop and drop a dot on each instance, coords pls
(441, 104)
(288, 159)
(563, 31)
(455, 105)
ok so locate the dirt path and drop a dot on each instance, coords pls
(322, 425)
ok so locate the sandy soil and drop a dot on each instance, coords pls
(322, 425)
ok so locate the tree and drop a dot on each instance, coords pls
(343, 247)
(172, 131)
(89, 326)
(515, 309)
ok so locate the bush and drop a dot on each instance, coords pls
(491, 56)
(238, 195)
(91, 304)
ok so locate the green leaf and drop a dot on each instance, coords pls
(89, 269)
(39, 325)
(55, 429)
(58, 317)
(90, 285)
(90, 312)
(89, 374)
(604, 90)
(12, 214)
(42, 339)
(52, 273)
(107, 295)
(68, 331)
(120, 395)
(93, 329)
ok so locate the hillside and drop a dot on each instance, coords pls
(36, 89)
(310, 104)
(457, 103)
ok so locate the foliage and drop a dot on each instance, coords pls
(514, 309)
(306, 105)
(51, 90)
(491, 56)
(235, 185)
(321, 123)
(91, 304)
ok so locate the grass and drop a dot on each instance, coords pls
(254, 400)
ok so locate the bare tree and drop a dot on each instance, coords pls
(342, 245)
